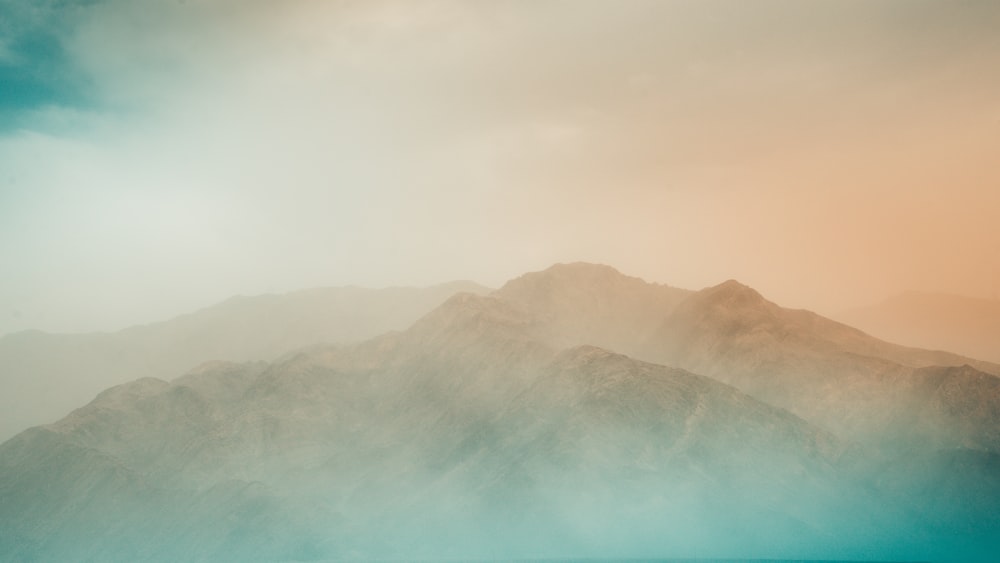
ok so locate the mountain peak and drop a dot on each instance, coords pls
(575, 281)
(565, 275)
(583, 268)
(734, 295)
(583, 303)
(732, 285)
(586, 353)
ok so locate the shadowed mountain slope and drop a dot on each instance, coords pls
(45, 375)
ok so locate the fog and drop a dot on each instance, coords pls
(159, 156)
(484, 431)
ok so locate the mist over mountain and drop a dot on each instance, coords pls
(594, 304)
(836, 376)
(934, 320)
(816, 367)
(831, 374)
(45, 375)
(461, 437)
(516, 425)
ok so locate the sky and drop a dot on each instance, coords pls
(157, 156)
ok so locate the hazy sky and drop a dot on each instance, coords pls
(160, 155)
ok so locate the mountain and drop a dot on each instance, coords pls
(561, 416)
(45, 375)
(583, 303)
(462, 437)
(833, 375)
(934, 320)
(594, 304)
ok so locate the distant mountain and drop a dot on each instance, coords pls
(836, 376)
(45, 375)
(539, 421)
(937, 321)
(461, 437)
(829, 373)
(582, 303)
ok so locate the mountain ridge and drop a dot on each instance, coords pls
(519, 430)
(244, 328)
(498, 426)
(938, 321)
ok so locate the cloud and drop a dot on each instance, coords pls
(242, 146)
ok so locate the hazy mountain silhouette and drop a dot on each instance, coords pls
(494, 427)
(844, 380)
(829, 373)
(583, 303)
(934, 320)
(45, 375)
(461, 437)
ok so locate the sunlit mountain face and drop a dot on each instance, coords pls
(522, 424)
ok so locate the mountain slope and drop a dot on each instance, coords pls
(594, 304)
(934, 320)
(858, 386)
(491, 429)
(582, 303)
(45, 375)
(831, 374)
(462, 437)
